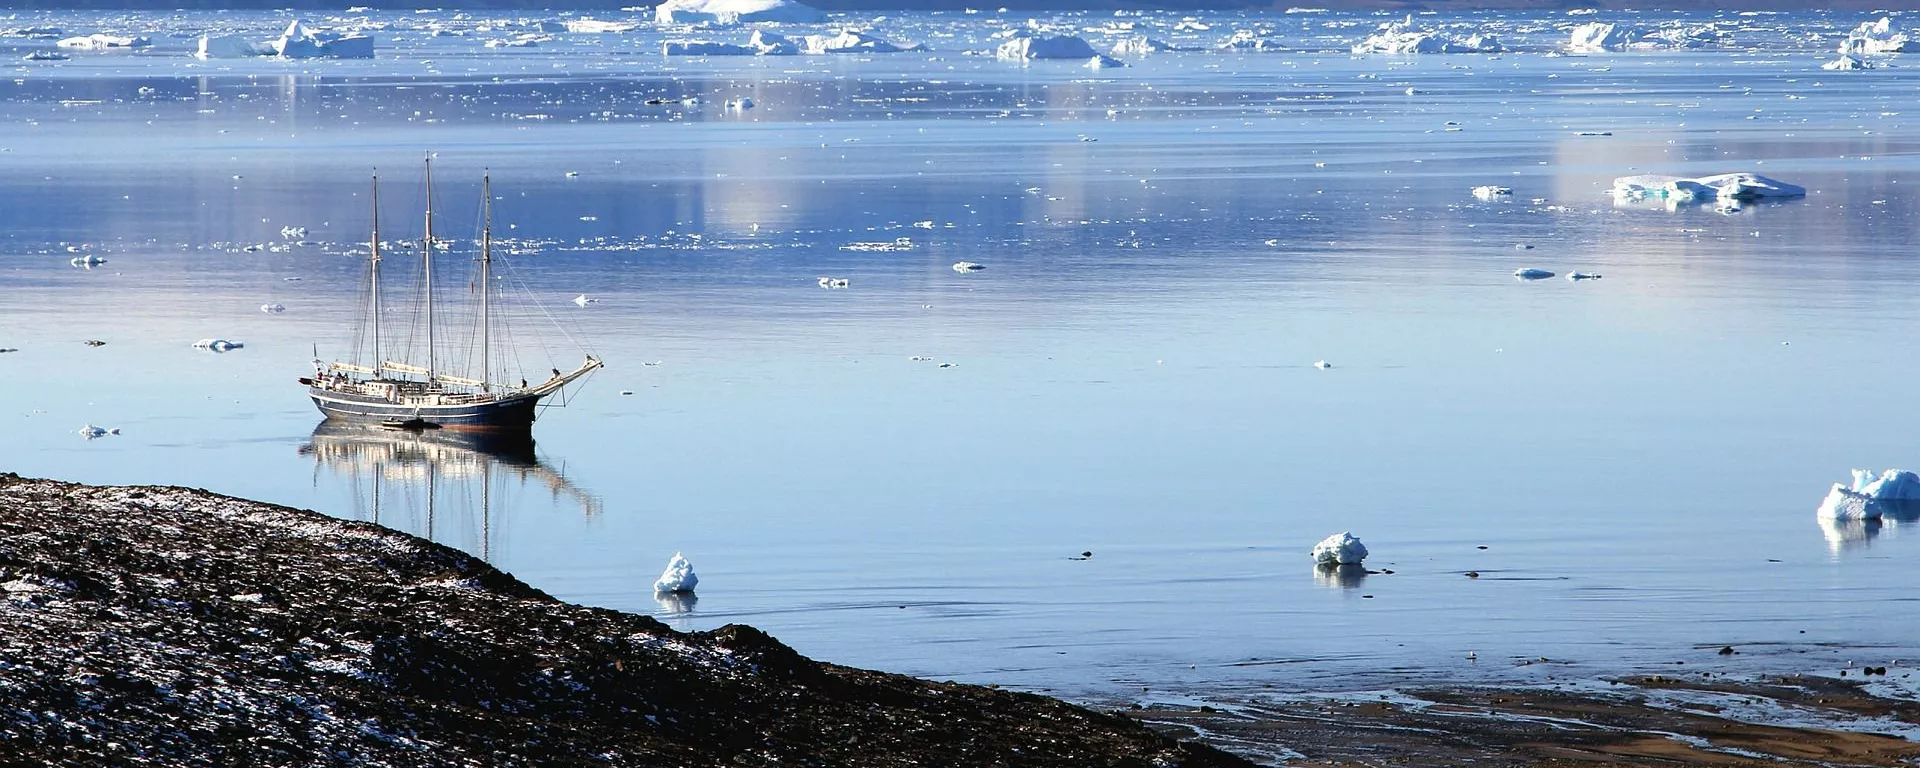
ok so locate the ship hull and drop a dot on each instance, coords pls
(505, 414)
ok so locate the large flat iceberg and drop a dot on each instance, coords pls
(735, 12)
(1871, 496)
(103, 42)
(1724, 186)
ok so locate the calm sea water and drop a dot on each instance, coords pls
(1631, 464)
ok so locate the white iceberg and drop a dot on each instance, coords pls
(1847, 63)
(848, 41)
(1342, 548)
(766, 43)
(229, 47)
(100, 42)
(1404, 37)
(1723, 186)
(678, 577)
(1026, 46)
(735, 12)
(704, 48)
(967, 266)
(1247, 41)
(298, 42)
(1874, 37)
(1141, 46)
(1870, 495)
(597, 26)
(1597, 37)
(90, 431)
(1489, 192)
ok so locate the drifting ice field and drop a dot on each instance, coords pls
(1100, 459)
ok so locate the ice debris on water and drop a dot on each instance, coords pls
(1490, 192)
(217, 345)
(1322, 364)
(1847, 63)
(1723, 186)
(89, 261)
(273, 308)
(967, 266)
(834, 282)
(1342, 548)
(1579, 276)
(1870, 495)
(90, 431)
(678, 577)
(582, 300)
(1532, 273)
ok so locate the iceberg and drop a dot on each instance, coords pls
(1870, 496)
(1026, 46)
(217, 345)
(298, 42)
(1403, 37)
(1245, 41)
(1342, 548)
(1847, 63)
(766, 43)
(847, 41)
(704, 48)
(98, 42)
(735, 12)
(1597, 37)
(1141, 46)
(678, 577)
(1489, 192)
(229, 47)
(598, 27)
(1869, 37)
(1724, 186)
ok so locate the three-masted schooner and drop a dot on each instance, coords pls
(424, 394)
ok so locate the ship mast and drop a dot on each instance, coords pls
(378, 361)
(486, 283)
(428, 250)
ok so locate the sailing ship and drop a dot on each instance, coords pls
(424, 393)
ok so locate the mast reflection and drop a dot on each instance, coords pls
(461, 489)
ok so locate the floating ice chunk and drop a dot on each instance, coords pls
(834, 282)
(230, 47)
(1489, 192)
(1404, 37)
(1595, 37)
(678, 577)
(1340, 549)
(273, 309)
(582, 300)
(766, 43)
(45, 56)
(967, 266)
(89, 261)
(1100, 61)
(597, 26)
(217, 345)
(293, 233)
(848, 41)
(298, 42)
(100, 42)
(1247, 41)
(1322, 364)
(1870, 496)
(1724, 186)
(1847, 63)
(90, 431)
(1026, 46)
(1578, 276)
(1532, 273)
(1141, 46)
(735, 12)
(739, 105)
(1875, 37)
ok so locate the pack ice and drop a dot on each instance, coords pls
(735, 12)
(1724, 186)
(1342, 548)
(1870, 495)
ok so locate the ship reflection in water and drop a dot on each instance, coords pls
(460, 489)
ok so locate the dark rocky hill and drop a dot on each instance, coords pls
(174, 627)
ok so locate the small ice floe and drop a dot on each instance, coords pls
(1322, 364)
(99, 42)
(1532, 273)
(45, 56)
(1489, 192)
(217, 345)
(1593, 133)
(967, 266)
(89, 261)
(582, 300)
(1847, 63)
(834, 282)
(1578, 276)
(90, 431)
(1723, 186)
(293, 233)
(678, 577)
(273, 308)
(1871, 496)
(1342, 548)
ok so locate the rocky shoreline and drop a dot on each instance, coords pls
(170, 626)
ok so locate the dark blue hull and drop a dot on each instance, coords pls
(516, 413)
